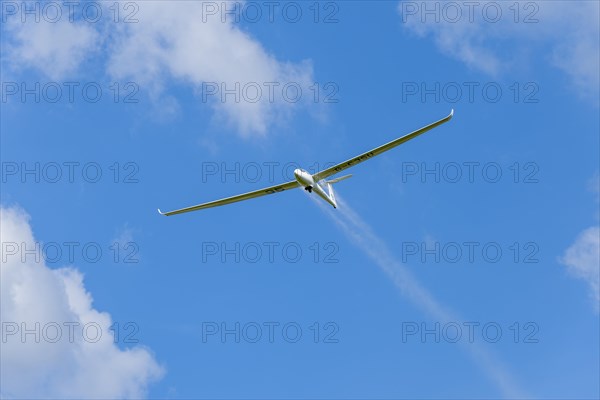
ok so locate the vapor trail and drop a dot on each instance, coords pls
(375, 247)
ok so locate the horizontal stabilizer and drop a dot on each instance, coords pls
(341, 178)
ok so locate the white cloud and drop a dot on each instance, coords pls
(76, 364)
(56, 49)
(567, 33)
(582, 259)
(173, 43)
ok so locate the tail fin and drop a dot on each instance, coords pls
(331, 193)
(330, 187)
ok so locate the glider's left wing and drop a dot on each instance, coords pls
(378, 150)
(234, 199)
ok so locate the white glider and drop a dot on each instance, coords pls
(314, 182)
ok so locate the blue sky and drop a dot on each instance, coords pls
(514, 171)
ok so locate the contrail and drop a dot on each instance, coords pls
(362, 234)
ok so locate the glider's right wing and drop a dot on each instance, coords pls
(378, 150)
(234, 199)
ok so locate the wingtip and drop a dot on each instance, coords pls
(160, 212)
(451, 113)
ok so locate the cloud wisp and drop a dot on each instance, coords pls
(498, 38)
(377, 250)
(582, 259)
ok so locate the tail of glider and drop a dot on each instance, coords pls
(330, 190)
(331, 194)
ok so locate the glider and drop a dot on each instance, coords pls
(315, 182)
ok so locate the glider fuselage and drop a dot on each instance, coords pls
(305, 179)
